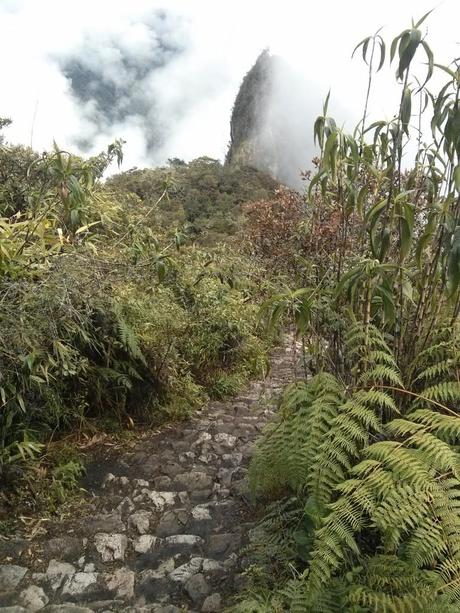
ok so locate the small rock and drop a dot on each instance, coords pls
(208, 458)
(201, 513)
(232, 459)
(152, 585)
(162, 482)
(104, 606)
(212, 603)
(33, 598)
(126, 506)
(187, 457)
(159, 500)
(203, 438)
(194, 480)
(171, 469)
(111, 546)
(231, 561)
(57, 572)
(225, 476)
(80, 584)
(11, 576)
(124, 482)
(122, 583)
(184, 540)
(109, 479)
(183, 497)
(141, 483)
(248, 450)
(226, 440)
(89, 568)
(39, 578)
(211, 566)
(140, 521)
(220, 543)
(183, 573)
(241, 488)
(172, 522)
(197, 587)
(167, 566)
(200, 495)
(144, 543)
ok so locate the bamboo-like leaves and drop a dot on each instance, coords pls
(453, 265)
(364, 44)
(406, 108)
(407, 44)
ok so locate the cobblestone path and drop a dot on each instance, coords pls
(164, 524)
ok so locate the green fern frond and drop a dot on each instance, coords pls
(439, 369)
(381, 373)
(445, 392)
(126, 335)
(445, 427)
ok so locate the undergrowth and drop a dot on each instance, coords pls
(111, 315)
(361, 468)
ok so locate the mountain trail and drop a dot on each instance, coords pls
(165, 522)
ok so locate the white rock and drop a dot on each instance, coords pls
(184, 539)
(108, 479)
(57, 572)
(124, 481)
(10, 576)
(183, 497)
(210, 566)
(141, 483)
(200, 513)
(167, 566)
(183, 573)
(144, 543)
(122, 583)
(159, 500)
(232, 459)
(226, 440)
(78, 584)
(33, 598)
(111, 546)
(212, 603)
(126, 506)
(203, 438)
(140, 521)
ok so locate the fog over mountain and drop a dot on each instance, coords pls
(164, 75)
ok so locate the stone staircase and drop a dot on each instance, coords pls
(164, 522)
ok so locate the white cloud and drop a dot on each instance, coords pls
(192, 94)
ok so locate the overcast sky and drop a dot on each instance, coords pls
(163, 75)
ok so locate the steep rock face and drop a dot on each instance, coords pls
(271, 122)
(249, 113)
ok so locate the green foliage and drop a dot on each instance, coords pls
(203, 194)
(377, 481)
(109, 315)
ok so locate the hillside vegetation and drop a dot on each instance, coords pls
(135, 300)
(112, 310)
(362, 465)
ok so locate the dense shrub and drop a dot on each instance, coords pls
(204, 194)
(362, 463)
(108, 314)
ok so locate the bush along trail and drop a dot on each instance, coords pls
(163, 524)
